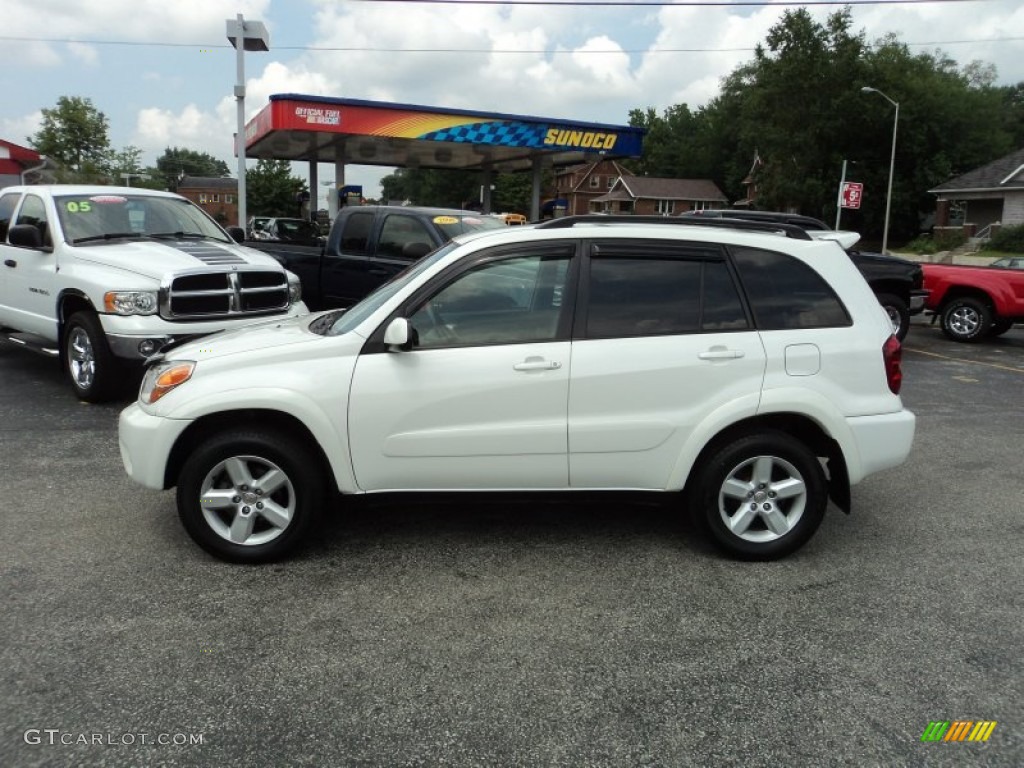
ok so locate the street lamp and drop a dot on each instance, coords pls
(892, 161)
(244, 36)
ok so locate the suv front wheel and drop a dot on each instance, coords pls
(250, 496)
(762, 496)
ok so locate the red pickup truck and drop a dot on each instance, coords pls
(972, 303)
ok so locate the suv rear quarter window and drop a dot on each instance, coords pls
(785, 293)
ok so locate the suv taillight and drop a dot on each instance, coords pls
(892, 355)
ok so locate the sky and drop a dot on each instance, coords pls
(163, 72)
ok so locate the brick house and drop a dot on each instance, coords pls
(217, 196)
(579, 184)
(646, 196)
(989, 195)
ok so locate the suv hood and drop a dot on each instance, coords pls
(268, 334)
(156, 258)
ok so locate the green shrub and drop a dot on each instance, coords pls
(941, 241)
(1007, 239)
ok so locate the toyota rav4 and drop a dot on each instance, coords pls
(744, 368)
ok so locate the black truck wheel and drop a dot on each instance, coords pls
(899, 313)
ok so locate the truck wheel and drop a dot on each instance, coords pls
(899, 314)
(250, 497)
(95, 374)
(999, 327)
(761, 496)
(966, 319)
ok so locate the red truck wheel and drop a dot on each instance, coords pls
(966, 319)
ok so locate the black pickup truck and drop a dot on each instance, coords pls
(896, 282)
(367, 246)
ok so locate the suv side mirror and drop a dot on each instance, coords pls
(237, 234)
(26, 236)
(397, 334)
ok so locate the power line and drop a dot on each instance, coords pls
(666, 3)
(370, 49)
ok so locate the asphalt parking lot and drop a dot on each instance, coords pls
(514, 633)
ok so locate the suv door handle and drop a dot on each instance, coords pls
(10, 262)
(537, 364)
(720, 353)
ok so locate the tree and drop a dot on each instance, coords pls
(75, 134)
(177, 162)
(271, 190)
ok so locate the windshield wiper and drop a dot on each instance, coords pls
(181, 236)
(108, 236)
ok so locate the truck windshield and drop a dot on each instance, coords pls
(459, 225)
(359, 312)
(99, 218)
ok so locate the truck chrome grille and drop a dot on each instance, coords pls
(209, 295)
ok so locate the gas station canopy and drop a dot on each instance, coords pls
(342, 131)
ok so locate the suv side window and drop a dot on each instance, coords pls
(400, 230)
(504, 301)
(660, 292)
(33, 212)
(356, 234)
(785, 293)
(7, 204)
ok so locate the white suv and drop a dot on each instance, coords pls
(743, 366)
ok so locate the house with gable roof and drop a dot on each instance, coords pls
(990, 195)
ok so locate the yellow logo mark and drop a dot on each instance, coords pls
(584, 139)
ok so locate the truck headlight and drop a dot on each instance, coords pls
(130, 302)
(294, 289)
(163, 377)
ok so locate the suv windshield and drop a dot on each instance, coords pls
(98, 218)
(375, 300)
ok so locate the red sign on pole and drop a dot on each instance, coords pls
(852, 192)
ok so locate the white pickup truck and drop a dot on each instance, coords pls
(103, 277)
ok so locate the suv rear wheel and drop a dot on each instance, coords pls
(761, 496)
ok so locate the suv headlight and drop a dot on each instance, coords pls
(130, 302)
(294, 289)
(163, 377)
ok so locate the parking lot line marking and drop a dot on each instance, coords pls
(964, 360)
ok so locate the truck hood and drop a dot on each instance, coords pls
(156, 258)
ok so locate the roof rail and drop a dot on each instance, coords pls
(567, 222)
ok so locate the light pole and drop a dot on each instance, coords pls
(892, 161)
(245, 36)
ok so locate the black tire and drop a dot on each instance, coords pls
(785, 466)
(899, 313)
(999, 327)
(966, 319)
(95, 374)
(269, 524)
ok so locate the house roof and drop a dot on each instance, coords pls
(1006, 173)
(671, 189)
(208, 182)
